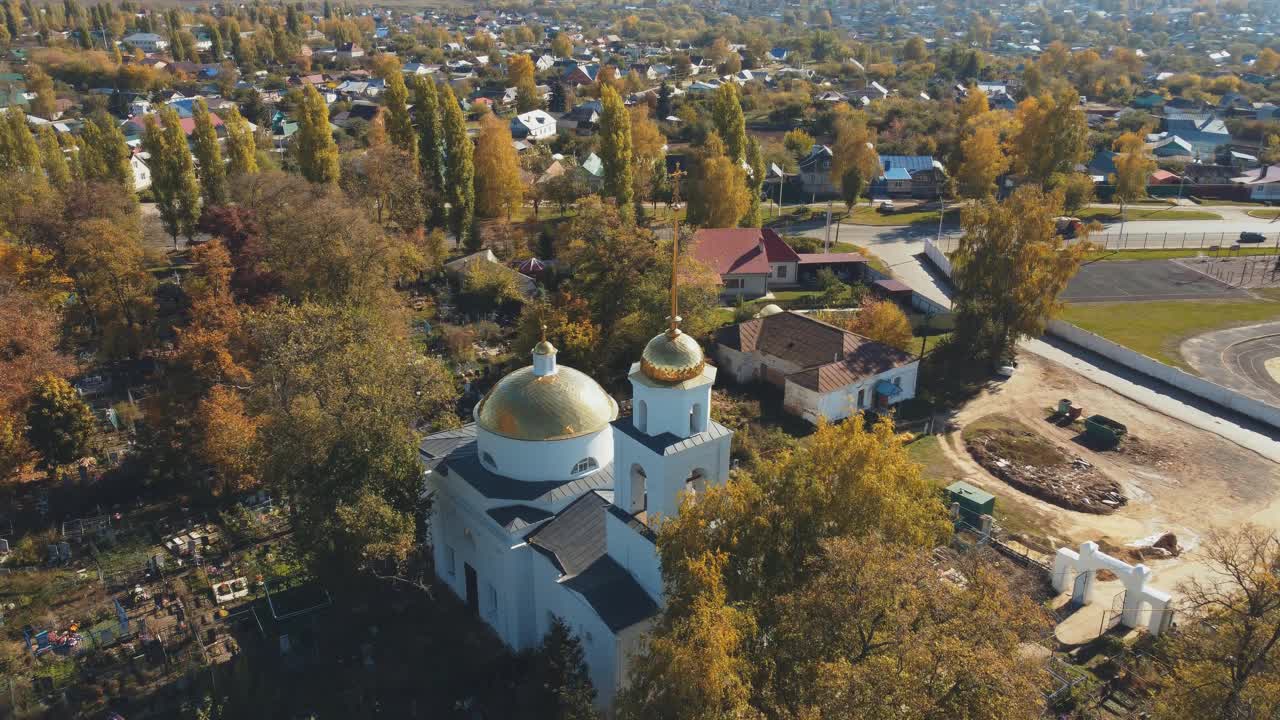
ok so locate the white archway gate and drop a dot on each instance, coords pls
(1076, 570)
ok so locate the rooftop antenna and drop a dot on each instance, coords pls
(676, 174)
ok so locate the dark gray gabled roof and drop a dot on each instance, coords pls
(514, 518)
(575, 538)
(455, 451)
(576, 541)
(613, 593)
(667, 443)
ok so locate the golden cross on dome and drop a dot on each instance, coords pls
(675, 249)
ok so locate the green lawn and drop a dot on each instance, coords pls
(1156, 329)
(1111, 215)
(870, 216)
(1268, 214)
(1167, 254)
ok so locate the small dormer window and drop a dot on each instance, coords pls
(488, 461)
(585, 465)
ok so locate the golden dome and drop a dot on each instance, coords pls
(672, 356)
(544, 348)
(564, 404)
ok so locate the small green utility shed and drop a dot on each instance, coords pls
(974, 502)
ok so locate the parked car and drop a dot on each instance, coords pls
(884, 206)
(1068, 227)
(1252, 237)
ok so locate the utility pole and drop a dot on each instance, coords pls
(826, 238)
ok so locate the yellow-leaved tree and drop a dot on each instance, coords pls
(854, 162)
(498, 185)
(982, 159)
(1008, 270)
(1134, 165)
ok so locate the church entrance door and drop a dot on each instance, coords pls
(473, 595)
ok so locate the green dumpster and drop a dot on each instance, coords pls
(1104, 431)
(974, 502)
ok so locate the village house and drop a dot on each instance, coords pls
(533, 125)
(749, 261)
(823, 371)
(146, 42)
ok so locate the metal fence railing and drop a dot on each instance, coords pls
(1208, 241)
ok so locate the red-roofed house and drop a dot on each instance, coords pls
(750, 261)
(822, 369)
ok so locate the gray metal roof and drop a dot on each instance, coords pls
(514, 518)
(576, 541)
(668, 443)
(455, 451)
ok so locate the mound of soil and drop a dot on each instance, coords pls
(1039, 468)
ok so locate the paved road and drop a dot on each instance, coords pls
(902, 249)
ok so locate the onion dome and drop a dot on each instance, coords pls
(546, 401)
(768, 310)
(672, 356)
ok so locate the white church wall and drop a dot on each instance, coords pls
(635, 553)
(664, 494)
(544, 460)
(599, 645)
(667, 408)
(742, 366)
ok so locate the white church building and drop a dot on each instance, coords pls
(545, 505)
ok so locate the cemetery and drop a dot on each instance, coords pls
(139, 603)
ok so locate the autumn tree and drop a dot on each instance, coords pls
(18, 147)
(44, 105)
(615, 148)
(241, 151)
(883, 321)
(562, 45)
(30, 335)
(725, 198)
(1224, 657)
(647, 145)
(106, 260)
(211, 170)
(1134, 165)
(1051, 135)
(54, 159)
(399, 125)
(854, 162)
(426, 110)
(173, 176)
(104, 155)
(799, 143)
(59, 424)
(520, 75)
(314, 147)
(340, 446)
(726, 116)
(755, 184)
(1008, 270)
(982, 160)
(460, 171)
(499, 187)
(228, 439)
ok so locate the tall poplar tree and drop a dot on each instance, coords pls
(212, 173)
(316, 151)
(241, 152)
(18, 147)
(460, 171)
(426, 104)
(399, 125)
(498, 184)
(615, 147)
(173, 176)
(755, 183)
(104, 155)
(53, 158)
(726, 114)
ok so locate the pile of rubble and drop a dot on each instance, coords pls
(1073, 483)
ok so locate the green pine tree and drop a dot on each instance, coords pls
(726, 114)
(615, 147)
(241, 153)
(426, 103)
(212, 172)
(460, 171)
(316, 151)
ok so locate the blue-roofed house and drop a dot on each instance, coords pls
(909, 175)
(779, 54)
(1205, 134)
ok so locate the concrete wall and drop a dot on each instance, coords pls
(1187, 382)
(939, 258)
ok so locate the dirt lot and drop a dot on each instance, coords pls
(1178, 479)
